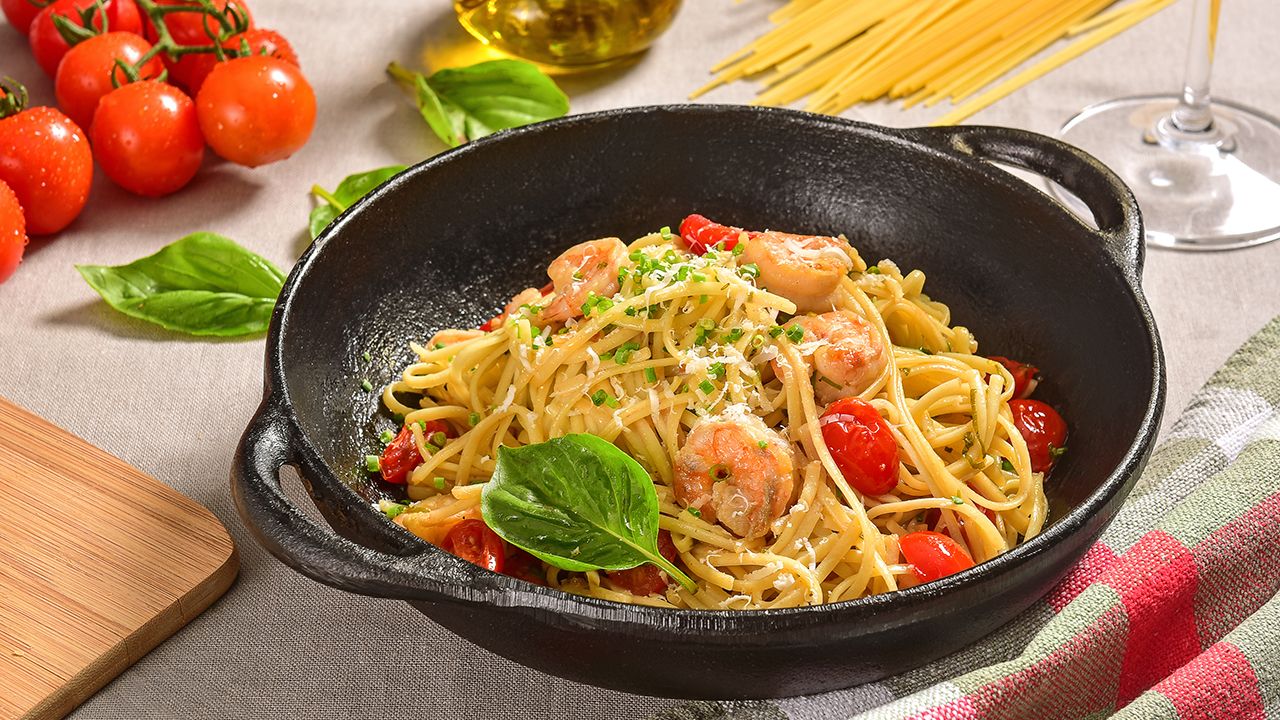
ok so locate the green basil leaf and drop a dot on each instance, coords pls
(351, 189)
(578, 503)
(468, 103)
(203, 284)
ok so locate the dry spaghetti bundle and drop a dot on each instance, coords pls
(838, 53)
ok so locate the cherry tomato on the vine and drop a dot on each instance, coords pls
(1043, 429)
(147, 138)
(1024, 375)
(45, 160)
(13, 232)
(474, 542)
(862, 445)
(193, 28)
(933, 555)
(647, 579)
(86, 72)
(256, 110)
(401, 455)
(47, 43)
(701, 234)
(20, 13)
(190, 71)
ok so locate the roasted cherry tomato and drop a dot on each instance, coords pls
(45, 160)
(862, 445)
(647, 579)
(147, 138)
(190, 71)
(1024, 376)
(13, 232)
(933, 555)
(701, 234)
(46, 42)
(86, 73)
(20, 13)
(474, 542)
(256, 110)
(1043, 429)
(402, 456)
(524, 566)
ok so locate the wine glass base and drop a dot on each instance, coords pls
(1215, 190)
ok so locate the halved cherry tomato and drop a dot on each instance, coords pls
(647, 579)
(1024, 375)
(474, 542)
(256, 110)
(86, 73)
(524, 566)
(190, 71)
(20, 13)
(402, 456)
(862, 445)
(13, 232)
(45, 160)
(46, 42)
(933, 555)
(701, 234)
(1043, 429)
(147, 138)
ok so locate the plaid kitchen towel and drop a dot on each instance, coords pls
(1173, 614)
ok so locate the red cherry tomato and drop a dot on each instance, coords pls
(474, 542)
(524, 566)
(190, 71)
(20, 13)
(189, 28)
(256, 110)
(933, 555)
(147, 138)
(647, 579)
(402, 456)
(1043, 429)
(1024, 375)
(701, 234)
(13, 232)
(46, 42)
(862, 445)
(45, 160)
(85, 73)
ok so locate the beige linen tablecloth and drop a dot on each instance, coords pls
(279, 645)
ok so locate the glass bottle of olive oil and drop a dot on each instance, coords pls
(567, 33)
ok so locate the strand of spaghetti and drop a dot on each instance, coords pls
(1049, 64)
(1109, 16)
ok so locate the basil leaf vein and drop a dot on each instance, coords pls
(578, 503)
(202, 284)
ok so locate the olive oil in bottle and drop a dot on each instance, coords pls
(567, 33)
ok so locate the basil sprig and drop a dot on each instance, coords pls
(579, 503)
(351, 189)
(468, 103)
(203, 284)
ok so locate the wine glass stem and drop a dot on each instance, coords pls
(1193, 113)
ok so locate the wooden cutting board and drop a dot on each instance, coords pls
(99, 563)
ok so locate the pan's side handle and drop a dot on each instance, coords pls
(315, 550)
(1114, 208)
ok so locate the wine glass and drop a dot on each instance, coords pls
(1206, 173)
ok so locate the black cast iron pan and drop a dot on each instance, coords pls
(450, 240)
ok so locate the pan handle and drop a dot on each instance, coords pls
(1114, 208)
(321, 554)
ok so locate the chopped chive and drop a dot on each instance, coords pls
(630, 312)
(438, 482)
(577, 274)
(1056, 452)
(750, 270)
(702, 299)
(733, 335)
(473, 419)
(716, 370)
(386, 436)
(775, 331)
(1005, 465)
(706, 387)
(739, 249)
(683, 272)
(707, 323)
(367, 357)
(757, 341)
(763, 444)
(874, 270)
(694, 512)
(957, 500)
(372, 463)
(438, 346)
(829, 381)
(612, 402)
(598, 397)
(665, 232)
(906, 372)
(795, 333)
(698, 277)
(438, 439)
(622, 355)
(392, 509)
(366, 385)
(650, 375)
(926, 350)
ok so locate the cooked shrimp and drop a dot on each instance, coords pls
(528, 296)
(584, 269)
(737, 472)
(851, 358)
(453, 337)
(805, 269)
